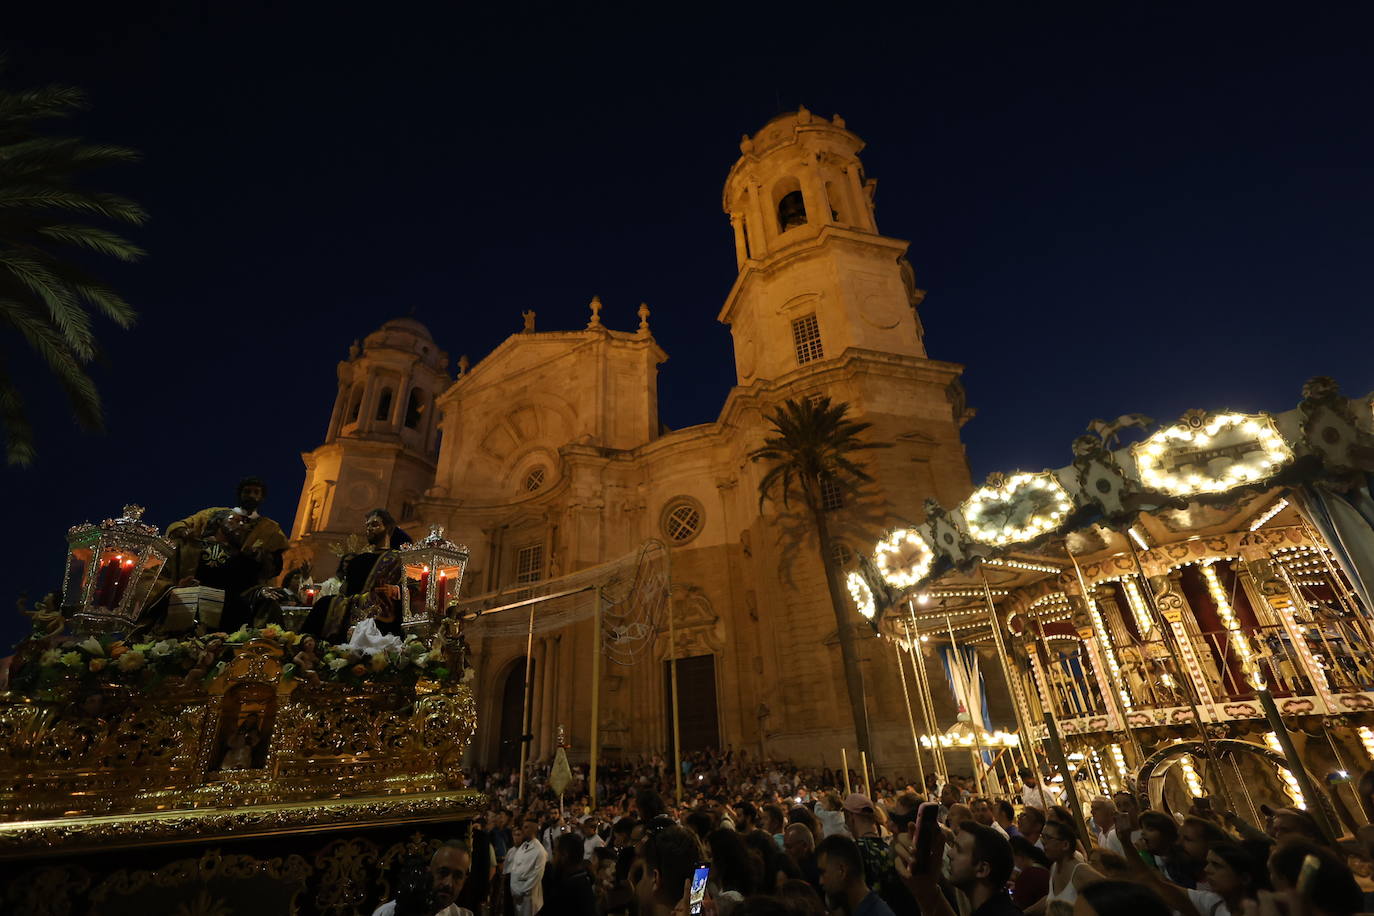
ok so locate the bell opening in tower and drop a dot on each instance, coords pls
(791, 211)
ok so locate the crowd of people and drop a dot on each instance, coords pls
(778, 840)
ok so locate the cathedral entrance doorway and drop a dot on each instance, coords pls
(512, 716)
(698, 722)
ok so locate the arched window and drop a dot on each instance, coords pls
(413, 408)
(384, 405)
(355, 405)
(791, 211)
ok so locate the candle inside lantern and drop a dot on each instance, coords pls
(308, 596)
(123, 575)
(104, 581)
(443, 590)
(424, 583)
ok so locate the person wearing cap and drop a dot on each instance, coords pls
(861, 820)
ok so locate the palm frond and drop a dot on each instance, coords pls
(109, 206)
(94, 239)
(39, 104)
(19, 450)
(48, 343)
(45, 295)
(67, 316)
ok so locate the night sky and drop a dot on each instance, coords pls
(1114, 208)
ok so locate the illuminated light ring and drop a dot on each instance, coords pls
(904, 558)
(1260, 427)
(862, 595)
(977, 506)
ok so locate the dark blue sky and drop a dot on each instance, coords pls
(1114, 207)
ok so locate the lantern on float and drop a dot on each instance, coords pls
(111, 569)
(434, 569)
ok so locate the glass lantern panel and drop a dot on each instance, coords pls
(78, 567)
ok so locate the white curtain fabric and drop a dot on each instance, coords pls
(1346, 522)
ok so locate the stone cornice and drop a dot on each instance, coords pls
(799, 249)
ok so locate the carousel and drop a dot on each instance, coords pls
(1186, 615)
(259, 768)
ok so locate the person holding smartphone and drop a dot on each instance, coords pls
(980, 864)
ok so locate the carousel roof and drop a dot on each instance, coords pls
(1210, 473)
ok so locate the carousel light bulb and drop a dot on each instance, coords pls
(1119, 759)
(1290, 784)
(1367, 739)
(1190, 776)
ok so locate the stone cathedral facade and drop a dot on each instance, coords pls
(548, 456)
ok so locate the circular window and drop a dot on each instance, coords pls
(682, 520)
(534, 479)
(841, 555)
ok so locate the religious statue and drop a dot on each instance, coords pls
(241, 745)
(369, 584)
(205, 661)
(46, 617)
(452, 643)
(307, 660)
(528, 315)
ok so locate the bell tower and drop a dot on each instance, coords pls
(815, 277)
(382, 442)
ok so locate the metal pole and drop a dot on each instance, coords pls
(525, 716)
(956, 659)
(844, 765)
(1295, 764)
(915, 742)
(1061, 764)
(1013, 688)
(672, 677)
(596, 693)
(928, 709)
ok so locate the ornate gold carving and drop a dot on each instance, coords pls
(71, 834)
(344, 882)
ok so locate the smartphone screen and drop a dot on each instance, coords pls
(698, 888)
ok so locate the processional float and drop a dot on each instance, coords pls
(1184, 615)
(128, 740)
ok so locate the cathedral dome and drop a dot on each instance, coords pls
(410, 325)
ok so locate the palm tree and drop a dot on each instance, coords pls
(45, 294)
(810, 448)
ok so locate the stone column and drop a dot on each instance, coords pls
(764, 218)
(340, 407)
(813, 193)
(863, 217)
(741, 248)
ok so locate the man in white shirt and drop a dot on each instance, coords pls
(1033, 793)
(525, 865)
(449, 870)
(590, 839)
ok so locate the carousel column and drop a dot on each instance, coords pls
(1265, 581)
(1169, 600)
